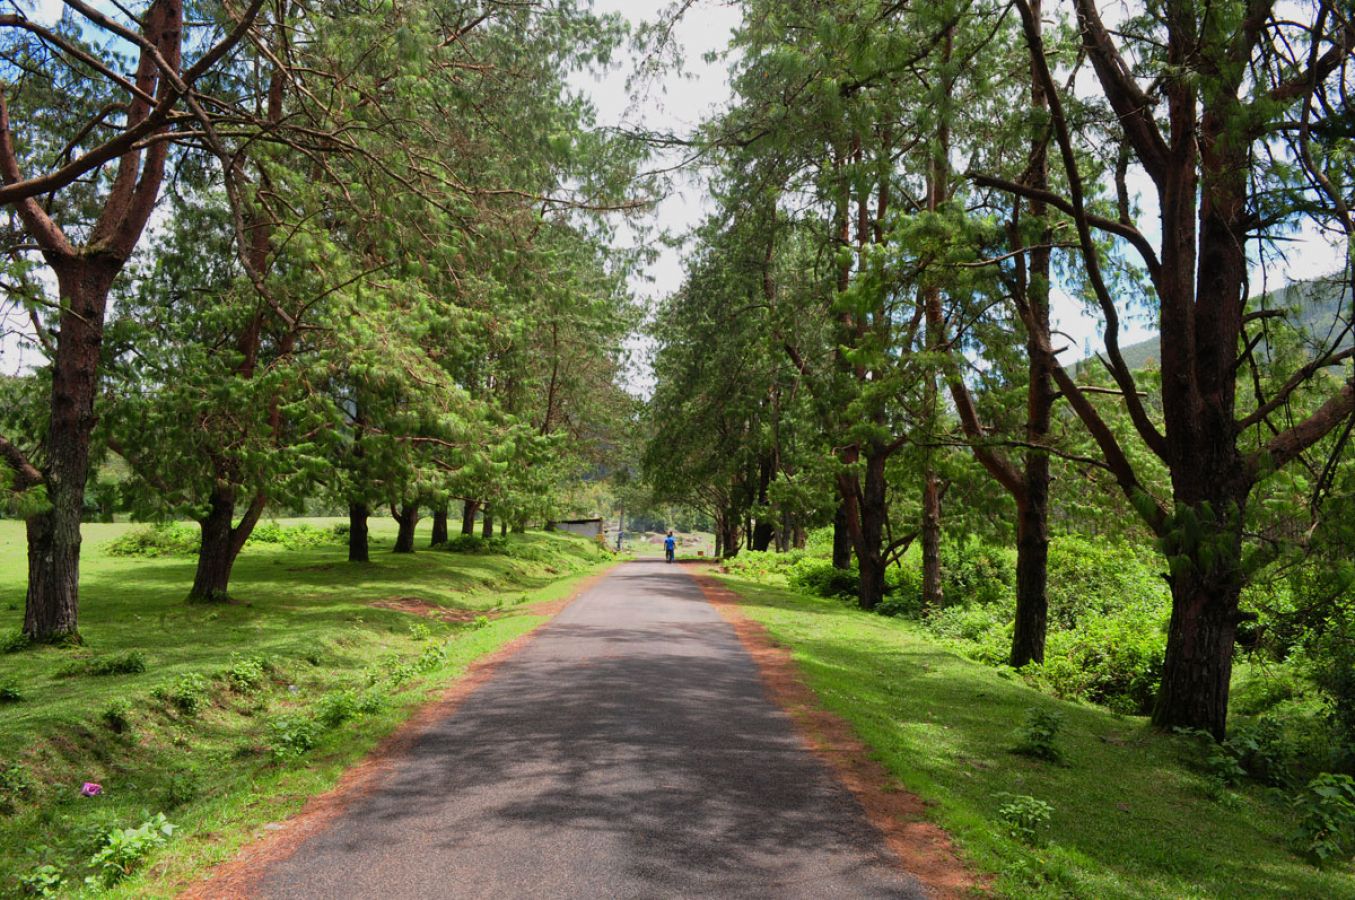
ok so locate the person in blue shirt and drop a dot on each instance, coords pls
(669, 545)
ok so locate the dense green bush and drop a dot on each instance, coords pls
(125, 850)
(132, 662)
(187, 693)
(974, 572)
(180, 539)
(291, 736)
(293, 537)
(163, 539)
(817, 576)
(1089, 579)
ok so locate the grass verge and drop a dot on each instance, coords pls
(1133, 814)
(227, 717)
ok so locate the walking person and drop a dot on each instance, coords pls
(669, 546)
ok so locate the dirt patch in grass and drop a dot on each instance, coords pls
(241, 876)
(417, 606)
(923, 848)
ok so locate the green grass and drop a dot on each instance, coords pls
(305, 613)
(1133, 816)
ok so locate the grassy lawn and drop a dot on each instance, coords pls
(300, 658)
(1133, 816)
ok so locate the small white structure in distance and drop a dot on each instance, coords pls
(589, 528)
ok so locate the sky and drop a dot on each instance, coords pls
(675, 102)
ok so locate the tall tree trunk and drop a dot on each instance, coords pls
(842, 539)
(1198, 663)
(1032, 502)
(1032, 556)
(211, 581)
(358, 549)
(762, 531)
(52, 603)
(487, 525)
(731, 534)
(468, 510)
(221, 544)
(406, 518)
(503, 528)
(867, 509)
(84, 277)
(932, 593)
(439, 527)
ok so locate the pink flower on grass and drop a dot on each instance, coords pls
(91, 789)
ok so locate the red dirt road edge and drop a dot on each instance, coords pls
(240, 876)
(923, 849)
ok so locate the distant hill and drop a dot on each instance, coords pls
(1320, 307)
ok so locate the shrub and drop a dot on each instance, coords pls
(291, 736)
(470, 543)
(1262, 750)
(401, 673)
(117, 715)
(246, 674)
(1326, 817)
(187, 693)
(181, 787)
(1091, 578)
(1024, 817)
(133, 662)
(419, 631)
(763, 567)
(818, 577)
(1038, 736)
(1328, 659)
(293, 537)
(44, 881)
(15, 784)
(337, 707)
(15, 642)
(125, 850)
(164, 539)
(975, 572)
(433, 657)
(370, 702)
(1114, 659)
(10, 691)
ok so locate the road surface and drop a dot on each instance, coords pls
(627, 751)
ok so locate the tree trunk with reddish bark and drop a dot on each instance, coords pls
(468, 510)
(933, 595)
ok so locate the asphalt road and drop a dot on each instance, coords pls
(627, 751)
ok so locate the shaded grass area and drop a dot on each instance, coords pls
(1133, 814)
(301, 634)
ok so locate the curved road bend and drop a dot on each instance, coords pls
(627, 751)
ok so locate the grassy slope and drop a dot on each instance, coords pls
(1132, 817)
(306, 611)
